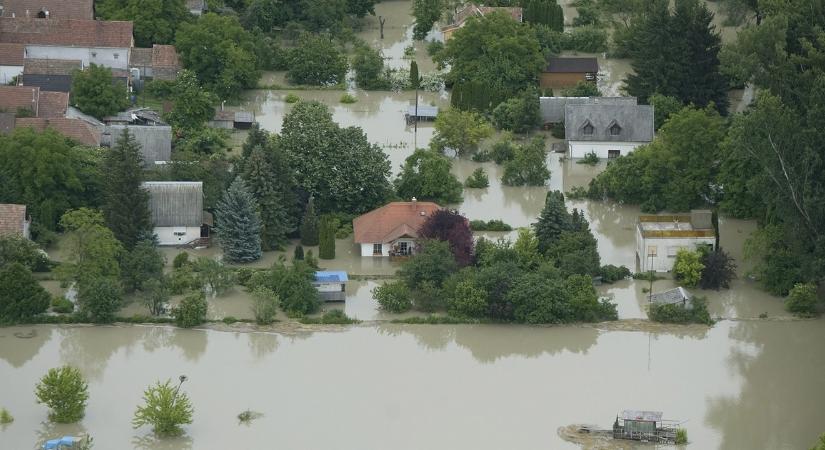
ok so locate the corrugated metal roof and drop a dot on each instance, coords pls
(673, 296)
(645, 416)
(175, 203)
(331, 276)
(423, 111)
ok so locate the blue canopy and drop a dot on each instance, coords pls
(65, 441)
(331, 276)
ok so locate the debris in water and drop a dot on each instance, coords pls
(246, 417)
(29, 335)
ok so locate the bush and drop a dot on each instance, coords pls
(478, 179)
(348, 99)
(21, 296)
(298, 254)
(519, 114)
(191, 311)
(326, 237)
(587, 39)
(393, 297)
(333, 317)
(292, 98)
(182, 280)
(467, 300)
(5, 416)
(165, 409)
(99, 299)
(316, 61)
(681, 436)
(677, 313)
(62, 305)
(802, 300)
(181, 259)
(17, 249)
(611, 273)
(434, 48)
(528, 167)
(264, 305)
(492, 225)
(591, 159)
(719, 270)
(160, 88)
(557, 130)
(213, 276)
(687, 268)
(65, 392)
(243, 274)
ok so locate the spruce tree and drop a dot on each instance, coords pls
(126, 203)
(553, 220)
(265, 175)
(238, 225)
(309, 225)
(414, 79)
(326, 237)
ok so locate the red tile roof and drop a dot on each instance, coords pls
(53, 104)
(12, 54)
(392, 221)
(51, 66)
(12, 218)
(164, 56)
(66, 32)
(58, 9)
(76, 129)
(473, 10)
(14, 97)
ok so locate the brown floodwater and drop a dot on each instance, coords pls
(738, 385)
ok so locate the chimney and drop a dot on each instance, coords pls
(414, 203)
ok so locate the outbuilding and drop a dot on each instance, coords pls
(177, 212)
(566, 72)
(660, 237)
(331, 285)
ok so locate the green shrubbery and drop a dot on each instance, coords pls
(165, 408)
(491, 225)
(333, 317)
(62, 305)
(611, 273)
(65, 392)
(478, 179)
(292, 284)
(192, 310)
(802, 300)
(591, 159)
(677, 313)
(393, 296)
(5, 416)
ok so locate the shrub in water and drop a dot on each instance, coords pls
(478, 179)
(676, 313)
(62, 305)
(591, 159)
(348, 99)
(802, 300)
(65, 392)
(191, 311)
(292, 98)
(393, 297)
(264, 305)
(681, 436)
(165, 408)
(180, 260)
(5, 416)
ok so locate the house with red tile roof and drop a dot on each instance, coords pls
(75, 129)
(16, 99)
(54, 9)
(392, 229)
(105, 43)
(11, 61)
(159, 62)
(13, 220)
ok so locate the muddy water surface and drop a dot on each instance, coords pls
(459, 386)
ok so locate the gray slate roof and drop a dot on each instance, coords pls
(175, 203)
(636, 122)
(155, 140)
(552, 108)
(572, 65)
(671, 297)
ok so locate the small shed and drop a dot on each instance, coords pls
(645, 426)
(424, 112)
(223, 119)
(675, 296)
(244, 120)
(64, 442)
(331, 285)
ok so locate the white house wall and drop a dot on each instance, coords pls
(666, 249)
(167, 236)
(578, 149)
(366, 250)
(113, 58)
(7, 73)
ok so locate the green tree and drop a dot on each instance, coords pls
(802, 300)
(191, 311)
(326, 237)
(298, 296)
(583, 89)
(368, 65)
(238, 225)
(451, 227)
(193, 106)
(415, 79)
(687, 268)
(213, 276)
(821, 444)
(143, 263)
(537, 299)
(478, 179)
(14, 248)
(100, 298)
(21, 297)
(316, 61)
(125, 202)
(309, 225)
(467, 300)
(93, 251)
(156, 295)
(433, 264)
(719, 270)
(544, 12)
(677, 54)
(220, 52)
(554, 219)
(529, 165)
(65, 392)
(426, 13)
(519, 114)
(426, 175)
(165, 408)
(459, 131)
(48, 174)
(664, 107)
(495, 51)
(393, 296)
(95, 93)
(338, 166)
(264, 305)
(266, 173)
(155, 21)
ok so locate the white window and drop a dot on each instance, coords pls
(116, 55)
(377, 249)
(652, 250)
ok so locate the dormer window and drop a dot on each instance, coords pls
(615, 129)
(588, 129)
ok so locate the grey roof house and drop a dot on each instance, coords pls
(552, 108)
(153, 135)
(609, 130)
(50, 74)
(177, 211)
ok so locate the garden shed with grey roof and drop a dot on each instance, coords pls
(177, 211)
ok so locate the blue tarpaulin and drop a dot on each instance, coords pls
(64, 442)
(330, 276)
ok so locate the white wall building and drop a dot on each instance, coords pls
(392, 229)
(177, 210)
(609, 130)
(660, 237)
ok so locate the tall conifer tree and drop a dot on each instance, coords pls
(553, 220)
(238, 224)
(266, 175)
(309, 225)
(126, 203)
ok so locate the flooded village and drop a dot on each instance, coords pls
(750, 380)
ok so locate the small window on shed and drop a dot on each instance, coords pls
(116, 55)
(588, 129)
(615, 130)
